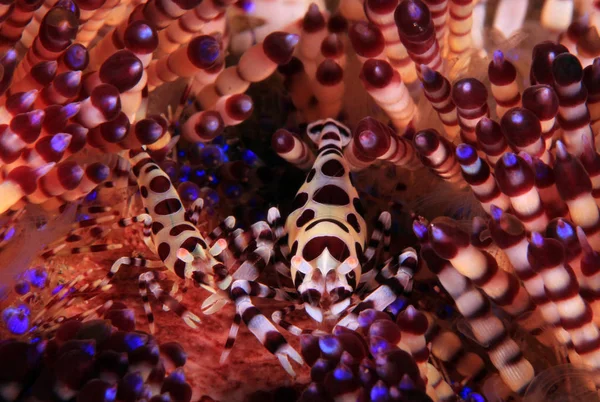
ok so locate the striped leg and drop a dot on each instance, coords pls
(258, 324)
(259, 234)
(281, 250)
(278, 318)
(49, 324)
(57, 300)
(224, 229)
(194, 211)
(131, 261)
(93, 225)
(176, 292)
(147, 231)
(94, 248)
(148, 282)
(257, 252)
(276, 222)
(389, 290)
(257, 256)
(382, 226)
(403, 268)
(62, 297)
(94, 233)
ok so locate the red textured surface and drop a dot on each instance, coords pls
(250, 367)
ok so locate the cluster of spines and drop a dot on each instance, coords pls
(97, 358)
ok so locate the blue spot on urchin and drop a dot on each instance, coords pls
(465, 392)
(91, 197)
(212, 178)
(134, 341)
(38, 277)
(464, 151)
(342, 374)
(83, 217)
(57, 289)
(397, 306)
(9, 234)
(379, 393)
(110, 394)
(178, 376)
(249, 157)
(16, 319)
(475, 397)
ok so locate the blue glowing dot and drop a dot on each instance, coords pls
(342, 374)
(89, 349)
(110, 394)
(474, 397)
(208, 51)
(329, 344)
(91, 197)
(183, 179)
(510, 159)
(200, 173)
(37, 277)
(249, 157)
(537, 239)
(397, 305)
(379, 346)
(247, 5)
(213, 179)
(379, 393)
(181, 153)
(464, 151)
(564, 230)
(496, 212)
(225, 147)
(134, 341)
(9, 234)
(465, 392)
(177, 376)
(420, 230)
(16, 319)
(57, 289)
(83, 217)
